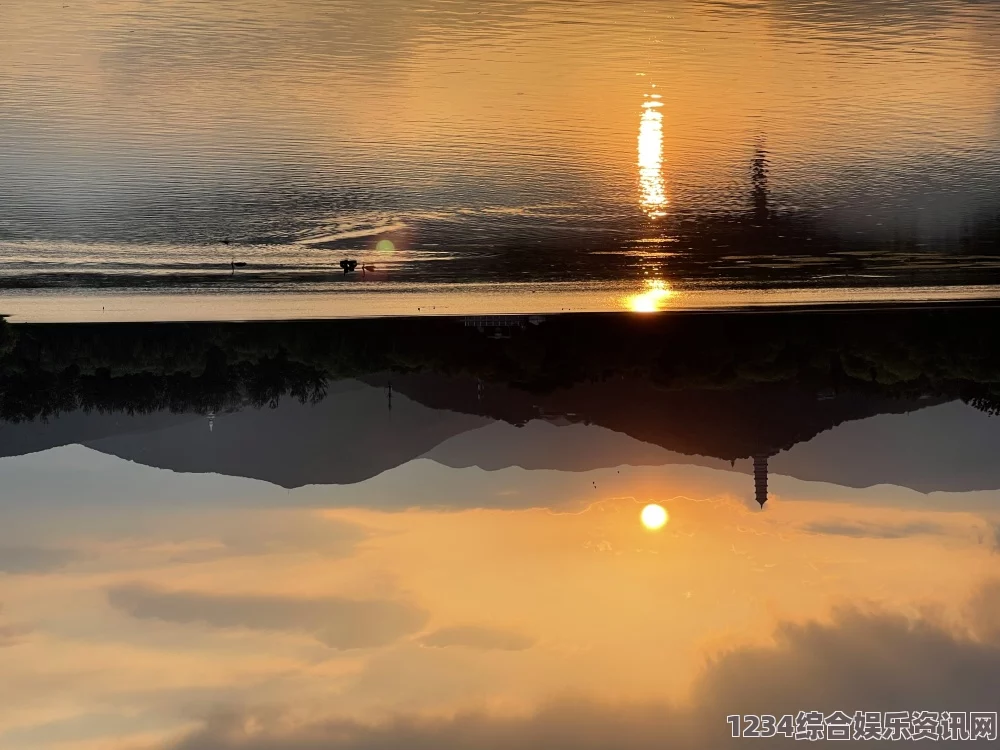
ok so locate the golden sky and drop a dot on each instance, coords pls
(127, 617)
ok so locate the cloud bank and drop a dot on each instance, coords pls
(339, 623)
(867, 660)
(30, 560)
(861, 530)
(475, 636)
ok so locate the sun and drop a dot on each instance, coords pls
(653, 299)
(654, 517)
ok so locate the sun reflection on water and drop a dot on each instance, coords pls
(652, 300)
(653, 195)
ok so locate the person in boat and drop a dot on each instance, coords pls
(348, 265)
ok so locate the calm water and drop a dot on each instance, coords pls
(739, 143)
(375, 535)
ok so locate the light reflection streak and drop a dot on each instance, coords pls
(652, 300)
(653, 195)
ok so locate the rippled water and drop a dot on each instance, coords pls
(791, 141)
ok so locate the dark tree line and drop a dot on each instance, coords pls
(50, 369)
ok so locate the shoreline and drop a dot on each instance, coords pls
(472, 300)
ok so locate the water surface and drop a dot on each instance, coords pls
(792, 142)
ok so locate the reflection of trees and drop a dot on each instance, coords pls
(986, 398)
(46, 370)
(52, 370)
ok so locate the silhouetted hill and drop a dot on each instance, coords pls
(348, 436)
(67, 428)
(555, 445)
(944, 448)
(728, 385)
(723, 423)
(941, 448)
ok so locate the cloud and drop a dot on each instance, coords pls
(560, 726)
(861, 530)
(983, 613)
(995, 528)
(11, 635)
(27, 560)
(474, 636)
(339, 623)
(878, 661)
(875, 661)
(276, 533)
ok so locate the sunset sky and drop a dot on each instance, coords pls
(253, 499)
(144, 600)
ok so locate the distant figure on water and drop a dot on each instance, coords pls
(348, 265)
(225, 241)
(234, 265)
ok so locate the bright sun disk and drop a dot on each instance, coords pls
(654, 517)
